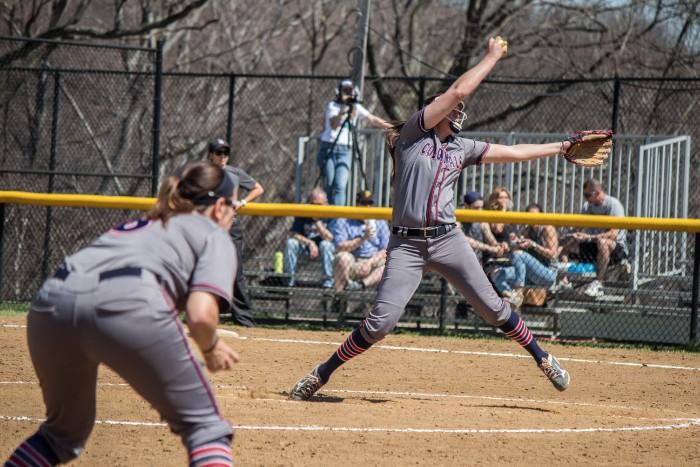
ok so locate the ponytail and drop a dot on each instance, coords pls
(192, 190)
(391, 136)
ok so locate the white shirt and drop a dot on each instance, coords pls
(332, 110)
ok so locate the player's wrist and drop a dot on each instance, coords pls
(211, 348)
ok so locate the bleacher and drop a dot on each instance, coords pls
(566, 313)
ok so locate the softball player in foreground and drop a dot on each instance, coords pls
(428, 158)
(115, 302)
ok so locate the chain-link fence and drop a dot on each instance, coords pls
(81, 118)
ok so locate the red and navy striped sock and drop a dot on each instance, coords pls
(34, 451)
(516, 329)
(353, 346)
(214, 453)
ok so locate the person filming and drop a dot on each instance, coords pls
(334, 157)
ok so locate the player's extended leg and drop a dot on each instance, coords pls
(402, 275)
(452, 257)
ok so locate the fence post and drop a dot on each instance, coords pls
(2, 244)
(52, 168)
(157, 103)
(421, 92)
(231, 96)
(616, 103)
(443, 304)
(696, 293)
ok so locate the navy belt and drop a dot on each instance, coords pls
(62, 273)
(424, 232)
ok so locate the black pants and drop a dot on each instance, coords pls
(241, 310)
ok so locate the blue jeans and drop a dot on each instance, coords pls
(525, 270)
(336, 170)
(326, 251)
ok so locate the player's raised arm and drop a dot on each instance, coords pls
(465, 84)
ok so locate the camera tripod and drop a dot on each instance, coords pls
(354, 147)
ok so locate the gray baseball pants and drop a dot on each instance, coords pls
(128, 324)
(408, 259)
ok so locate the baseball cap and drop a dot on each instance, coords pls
(346, 83)
(219, 145)
(365, 197)
(472, 197)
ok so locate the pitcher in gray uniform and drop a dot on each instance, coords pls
(428, 158)
(116, 302)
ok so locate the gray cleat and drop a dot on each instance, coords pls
(553, 370)
(306, 386)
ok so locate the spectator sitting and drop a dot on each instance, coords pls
(474, 231)
(605, 246)
(538, 247)
(361, 249)
(312, 238)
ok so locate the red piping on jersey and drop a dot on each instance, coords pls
(430, 198)
(483, 153)
(211, 288)
(202, 379)
(437, 200)
(421, 121)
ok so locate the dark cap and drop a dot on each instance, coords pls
(472, 197)
(365, 197)
(219, 145)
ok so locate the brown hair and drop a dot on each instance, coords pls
(493, 198)
(177, 194)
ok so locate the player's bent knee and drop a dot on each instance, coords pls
(381, 321)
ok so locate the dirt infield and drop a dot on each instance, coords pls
(410, 401)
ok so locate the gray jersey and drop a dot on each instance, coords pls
(190, 253)
(240, 179)
(427, 170)
(610, 206)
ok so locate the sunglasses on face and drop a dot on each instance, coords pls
(221, 153)
(589, 194)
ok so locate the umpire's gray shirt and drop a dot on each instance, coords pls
(426, 170)
(190, 253)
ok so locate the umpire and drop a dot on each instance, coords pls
(219, 153)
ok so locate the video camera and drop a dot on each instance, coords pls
(352, 98)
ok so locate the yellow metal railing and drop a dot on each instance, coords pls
(308, 210)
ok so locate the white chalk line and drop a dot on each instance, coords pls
(672, 426)
(235, 335)
(475, 353)
(422, 395)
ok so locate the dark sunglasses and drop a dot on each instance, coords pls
(221, 153)
(589, 194)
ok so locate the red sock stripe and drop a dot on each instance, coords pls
(16, 461)
(210, 455)
(345, 353)
(354, 347)
(349, 349)
(33, 454)
(521, 334)
(517, 329)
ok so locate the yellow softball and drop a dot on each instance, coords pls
(503, 43)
